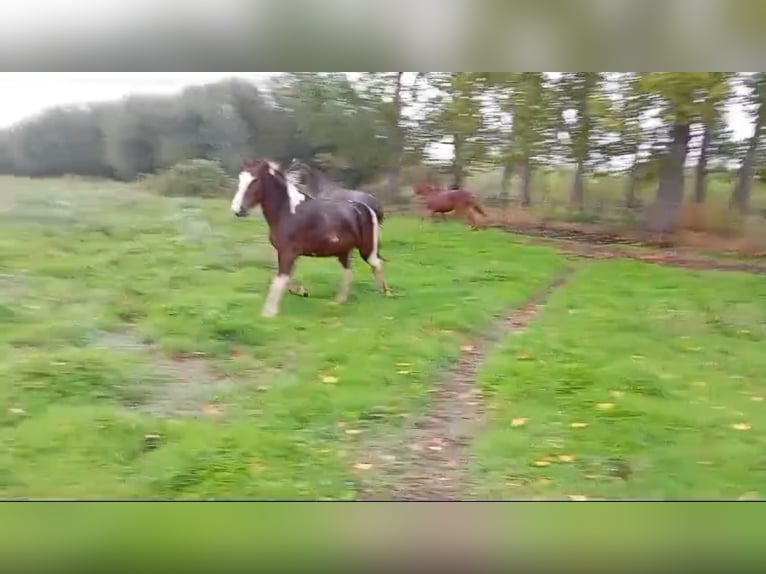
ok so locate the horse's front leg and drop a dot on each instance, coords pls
(297, 289)
(278, 285)
(294, 287)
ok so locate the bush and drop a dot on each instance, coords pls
(714, 217)
(192, 178)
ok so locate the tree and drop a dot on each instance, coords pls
(455, 115)
(343, 129)
(740, 197)
(717, 93)
(64, 140)
(580, 93)
(680, 97)
(528, 99)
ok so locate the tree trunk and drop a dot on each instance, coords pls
(740, 197)
(577, 196)
(700, 172)
(662, 216)
(457, 163)
(525, 173)
(630, 187)
(505, 184)
(395, 173)
(457, 174)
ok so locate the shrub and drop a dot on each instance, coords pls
(714, 217)
(191, 178)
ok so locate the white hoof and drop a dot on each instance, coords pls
(269, 313)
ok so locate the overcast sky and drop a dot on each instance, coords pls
(27, 93)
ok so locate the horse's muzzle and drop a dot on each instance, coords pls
(241, 213)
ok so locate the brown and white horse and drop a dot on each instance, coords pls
(302, 226)
(444, 201)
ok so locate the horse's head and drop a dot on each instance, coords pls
(252, 181)
(424, 189)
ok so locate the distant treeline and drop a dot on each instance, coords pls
(226, 121)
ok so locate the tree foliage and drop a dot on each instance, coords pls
(370, 126)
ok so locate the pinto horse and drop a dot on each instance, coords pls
(444, 201)
(302, 226)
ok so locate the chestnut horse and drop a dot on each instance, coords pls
(302, 226)
(444, 201)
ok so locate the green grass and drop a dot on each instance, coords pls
(676, 361)
(134, 361)
(124, 314)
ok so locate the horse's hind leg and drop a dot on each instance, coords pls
(372, 257)
(345, 285)
(471, 218)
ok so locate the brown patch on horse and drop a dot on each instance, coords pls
(302, 226)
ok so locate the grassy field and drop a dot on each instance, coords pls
(634, 381)
(134, 361)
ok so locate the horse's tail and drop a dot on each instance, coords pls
(370, 220)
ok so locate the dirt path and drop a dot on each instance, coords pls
(672, 257)
(600, 244)
(433, 460)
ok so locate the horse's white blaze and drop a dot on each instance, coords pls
(277, 289)
(245, 179)
(374, 260)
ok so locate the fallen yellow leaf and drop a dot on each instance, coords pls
(566, 458)
(605, 406)
(403, 372)
(578, 497)
(329, 379)
(579, 425)
(741, 426)
(403, 365)
(353, 431)
(363, 466)
(699, 383)
(750, 496)
(468, 348)
(757, 399)
(518, 422)
(436, 448)
(543, 481)
(542, 463)
(616, 394)
(17, 411)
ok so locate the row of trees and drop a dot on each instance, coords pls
(368, 126)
